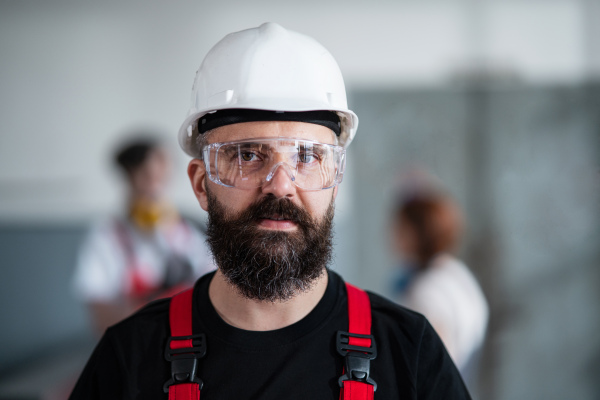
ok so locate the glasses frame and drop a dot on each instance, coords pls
(214, 175)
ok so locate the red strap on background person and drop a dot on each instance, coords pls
(183, 350)
(358, 348)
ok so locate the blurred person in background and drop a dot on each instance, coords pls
(148, 252)
(427, 226)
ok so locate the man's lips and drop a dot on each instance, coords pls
(277, 222)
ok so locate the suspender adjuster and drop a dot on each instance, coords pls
(357, 358)
(184, 360)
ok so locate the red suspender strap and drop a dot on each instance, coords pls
(184, 391)
(359, 314)
(358, 348)
(180, 318)
(183, 350)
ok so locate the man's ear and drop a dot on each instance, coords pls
(197, 174)
(335, 190)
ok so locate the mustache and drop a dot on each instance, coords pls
(270, 206)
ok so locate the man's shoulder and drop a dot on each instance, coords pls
(407, 341)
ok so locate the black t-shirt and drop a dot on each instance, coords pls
(296, 362)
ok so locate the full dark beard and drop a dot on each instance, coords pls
(264, 264)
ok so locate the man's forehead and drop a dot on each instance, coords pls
(272, 129)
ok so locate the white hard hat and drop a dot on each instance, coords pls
(267, 68)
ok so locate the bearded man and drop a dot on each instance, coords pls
(268, 129)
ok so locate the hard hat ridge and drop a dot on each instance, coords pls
(267, 68)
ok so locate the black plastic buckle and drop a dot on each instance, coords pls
(184, 361)
(358, 358)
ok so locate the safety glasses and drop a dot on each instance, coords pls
(248, 164)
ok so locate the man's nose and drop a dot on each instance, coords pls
(280, 181)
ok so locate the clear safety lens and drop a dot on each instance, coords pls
(248, 164)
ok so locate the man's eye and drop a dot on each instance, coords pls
(308, 157)
(248, 156)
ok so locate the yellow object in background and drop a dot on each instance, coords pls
(147, 215)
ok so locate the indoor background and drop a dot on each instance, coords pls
(499, 99)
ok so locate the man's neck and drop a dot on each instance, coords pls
(256, 315)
